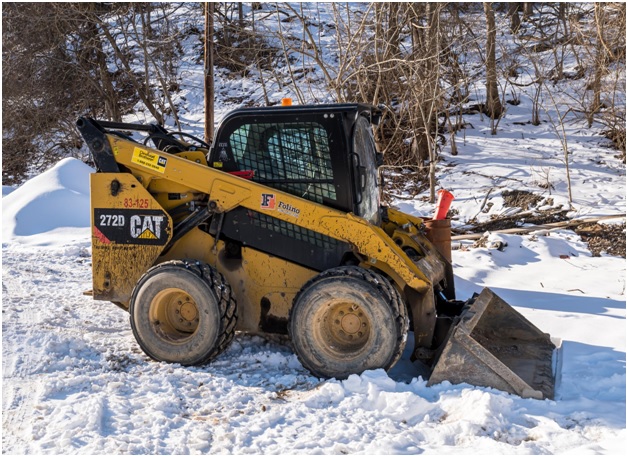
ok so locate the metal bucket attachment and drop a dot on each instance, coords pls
(493, 345)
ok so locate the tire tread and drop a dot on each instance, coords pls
(383, 285)
(226, 302)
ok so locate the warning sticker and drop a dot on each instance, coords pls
(149, 159)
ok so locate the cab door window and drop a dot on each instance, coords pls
(293, 157)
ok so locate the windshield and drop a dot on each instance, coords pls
(365, 166)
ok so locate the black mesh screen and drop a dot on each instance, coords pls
(283, 239)
(292, 157)
(294, 231)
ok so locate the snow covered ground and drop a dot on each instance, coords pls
(75, 381)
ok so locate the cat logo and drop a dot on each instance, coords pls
(146, 226)
(131, 226)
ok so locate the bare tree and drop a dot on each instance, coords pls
(53, 65)
(557, 122)
(70, 59)
(493, 100)
(527, 10)
(514, 18)
(610, 59)
(208, 66)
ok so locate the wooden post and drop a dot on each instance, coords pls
(209, 89)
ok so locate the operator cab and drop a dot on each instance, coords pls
(323, 153)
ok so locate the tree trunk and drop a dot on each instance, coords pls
(419, 114)
(493, 102)
(209, 89)
(393, 31)
(514, 19)
(527, 10)
(599, 16)
(240, 14)
(431, 122)
(417, 32)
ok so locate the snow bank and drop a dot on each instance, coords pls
(6, 189)
(52, 204)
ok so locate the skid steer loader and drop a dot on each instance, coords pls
(276, 227)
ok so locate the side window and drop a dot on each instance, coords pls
(365, 169)
(250, 152)
(238, 141)
(293, 157)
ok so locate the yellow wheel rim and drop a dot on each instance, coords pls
(175, 314)
(343, 326)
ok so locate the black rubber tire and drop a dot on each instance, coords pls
(183, 311)
(347, 320)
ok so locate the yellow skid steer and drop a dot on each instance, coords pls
(276, 227)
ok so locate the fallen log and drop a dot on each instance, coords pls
(529, 229)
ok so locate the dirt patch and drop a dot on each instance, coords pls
(520, 198)
(527, 202)
(603, 238)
